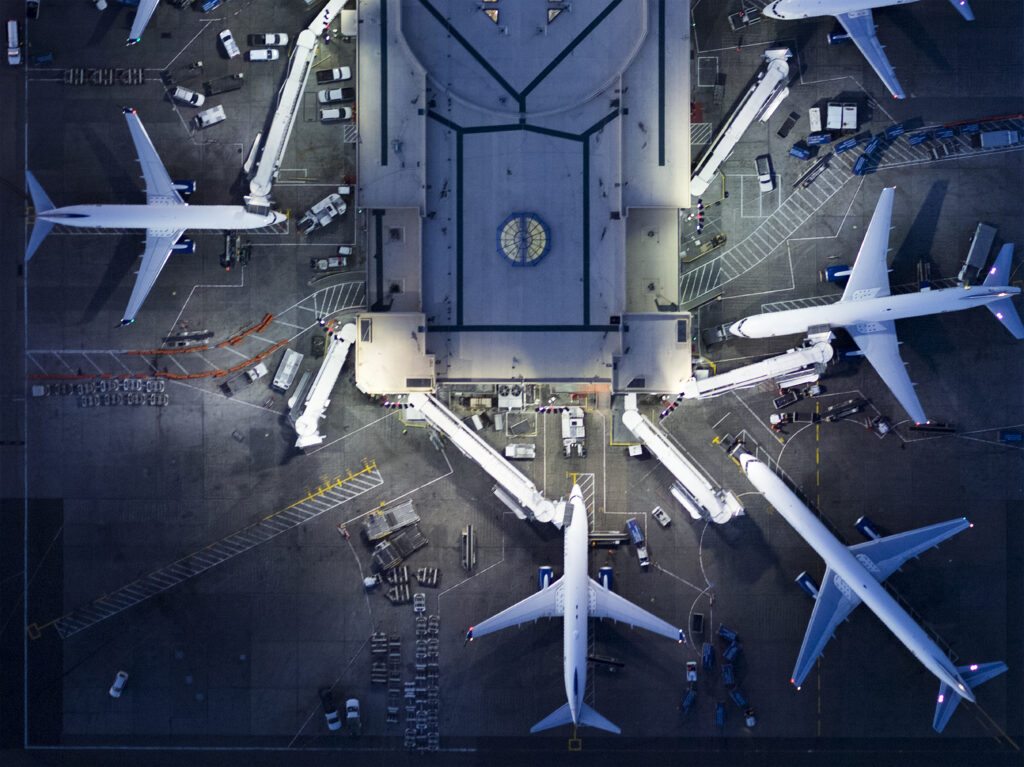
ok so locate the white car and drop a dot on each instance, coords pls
(119, 682)
(230, 46)
(264, 54)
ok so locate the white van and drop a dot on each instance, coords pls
(210, 116)
(13, 43)
(186, 96)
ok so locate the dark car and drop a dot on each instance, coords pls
(330, 710)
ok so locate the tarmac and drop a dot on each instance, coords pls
(100, 501)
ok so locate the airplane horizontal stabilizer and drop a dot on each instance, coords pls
(1006, 313)
(964, 8)
(973, 675)
(591, 718)
(561, 715)
(41, 202)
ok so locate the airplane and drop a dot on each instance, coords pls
(855, 16)
(165, 216)
(867, 310)
(576, 597)
(142, 16)
(853, 575)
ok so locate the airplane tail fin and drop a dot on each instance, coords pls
(1004, 310)
(563, 715)
(41, 228)
(973, 675)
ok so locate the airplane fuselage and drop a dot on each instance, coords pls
(868, 310)
(802, 9)
(854, 573)
(574, 592)
(160, 217)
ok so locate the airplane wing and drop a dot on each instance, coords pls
(158, 248)
(882, 557)
(142, 17)
(860, 26)
(869, 277)
(543, 604)
(159, 187)
(834, 602)
(607, 604)
(881, 348)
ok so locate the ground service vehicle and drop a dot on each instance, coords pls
(271, 38)
(659, 514)
(997, 138)
(224, 84)
(210, 116)
(335, 114)
(336, 94)
(230, 46)
(352, 720)
(323, 212)
(763, 163)
(264, 54)
(638, 540)
(330, 710)
(120, 679)
(186, 96)
(13, 43)
(335, 75)
(287, 370)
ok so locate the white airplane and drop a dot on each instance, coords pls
(853, 575)
(165, 216)
(142, 16)
(855, 16)
(576, 597)
(867, 311)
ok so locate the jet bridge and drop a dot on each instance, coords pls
(762, 99)
(693, 491)
(795, 367)
(320, 392)
(276, 140)
(514, 489)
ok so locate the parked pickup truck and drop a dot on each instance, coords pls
(330, 95)
(335, 75)
(325, 211)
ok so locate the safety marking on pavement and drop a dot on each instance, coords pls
(329, 496)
